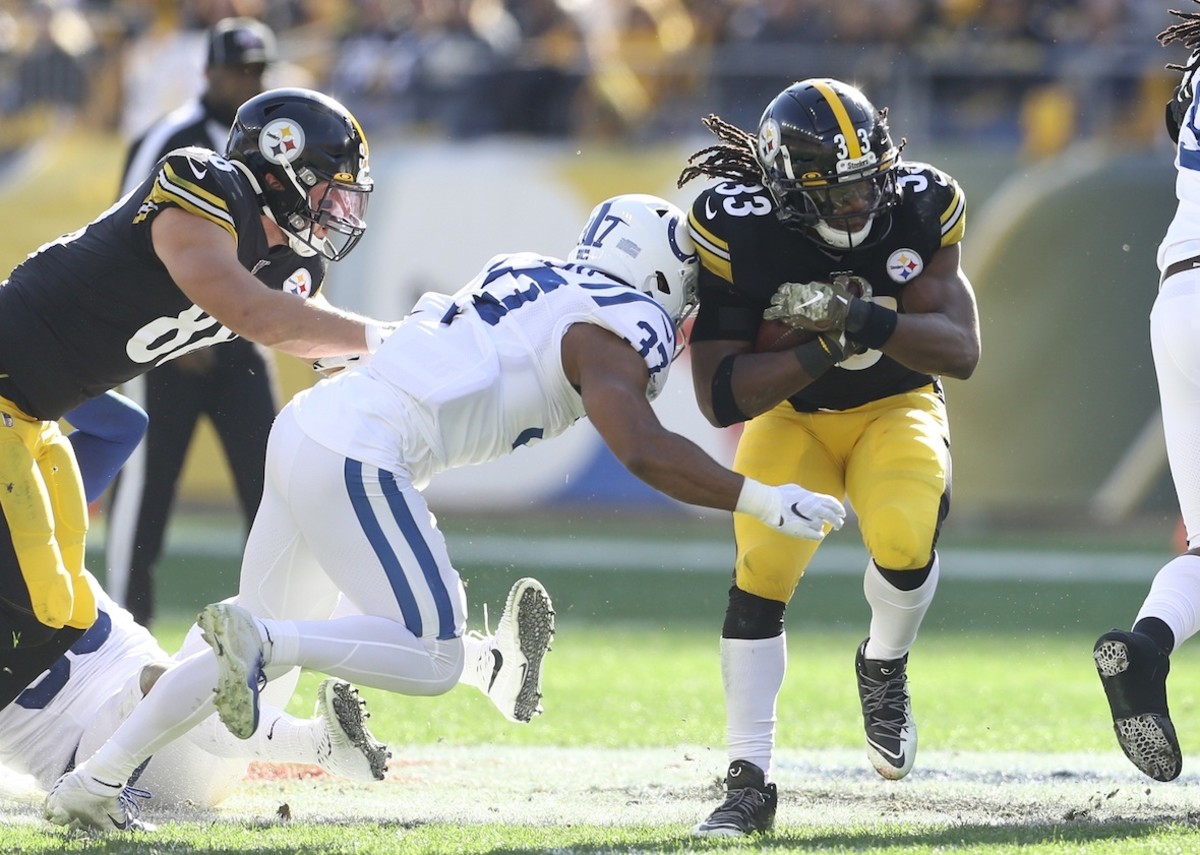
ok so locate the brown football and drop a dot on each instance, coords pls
(776, 335)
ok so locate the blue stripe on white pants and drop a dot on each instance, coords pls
(364, 482)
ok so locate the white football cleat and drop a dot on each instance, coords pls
(77, 800)
(345, 746)
(511, 664)
(233, 635)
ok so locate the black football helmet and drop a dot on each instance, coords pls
(304, 138)
(828, 160)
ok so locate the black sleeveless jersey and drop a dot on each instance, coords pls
(746, 253)
(96, 307)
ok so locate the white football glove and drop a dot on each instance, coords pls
(816, 306)
(791, 509)
(328, 366)
(376, 333)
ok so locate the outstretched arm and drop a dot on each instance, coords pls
(612, 380)
(202, 260)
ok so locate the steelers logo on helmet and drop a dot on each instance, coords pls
(768, 140)
(281, 141)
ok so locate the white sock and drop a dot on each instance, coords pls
(752, 672)
(280, 738)
(895, 615)
(477, 651)
(181, 699)
(1174, 597)
(367, 650)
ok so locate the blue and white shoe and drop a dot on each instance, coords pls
(79, 800)
(233, 634)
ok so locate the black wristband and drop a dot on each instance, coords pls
(815, 357)
(725, 408)
(869, 323)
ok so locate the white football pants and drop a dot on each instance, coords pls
(1175, 341)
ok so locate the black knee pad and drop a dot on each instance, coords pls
(752, 617)
(906, 580)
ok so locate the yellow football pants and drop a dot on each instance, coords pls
(42, 499)
(890, 458)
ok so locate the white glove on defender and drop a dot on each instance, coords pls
(790, 508)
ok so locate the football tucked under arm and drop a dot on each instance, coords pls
(776, 335)
(817, 306)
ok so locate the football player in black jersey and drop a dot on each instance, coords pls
(234, 383)
(166, 270)
(817, 222)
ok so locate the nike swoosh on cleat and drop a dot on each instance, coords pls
(499, 659)
(898, 757)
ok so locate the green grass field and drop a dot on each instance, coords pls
(1017, 751)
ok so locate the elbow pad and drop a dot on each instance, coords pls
(725, 407)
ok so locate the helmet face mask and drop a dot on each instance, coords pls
(828, 160)
(308, 156)
(333, 224)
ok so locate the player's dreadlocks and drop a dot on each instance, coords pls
(734, 159)
(1187, 32)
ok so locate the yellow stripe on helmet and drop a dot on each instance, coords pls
(843, 118)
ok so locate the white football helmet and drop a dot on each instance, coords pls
(643, 241)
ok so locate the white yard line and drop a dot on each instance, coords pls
(842, 555)
(587, 553)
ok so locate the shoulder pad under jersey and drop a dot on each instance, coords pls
(201, 182)
(935, 198)
(721, 218)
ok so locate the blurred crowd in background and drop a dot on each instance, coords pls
(1036, 74)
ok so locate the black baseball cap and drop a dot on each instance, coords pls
(241, 41)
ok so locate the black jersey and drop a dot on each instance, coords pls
(746, 253)
(96, 307)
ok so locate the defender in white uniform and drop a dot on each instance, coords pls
(72, 708)
(1133, 666)
(520, 354)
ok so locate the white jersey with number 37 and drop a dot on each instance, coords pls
(470, 377)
